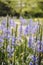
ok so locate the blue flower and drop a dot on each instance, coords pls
(30, 63)
(7, 37)
(20, 29)
(30, 21)
(31, 28)
(22, 20)
(1, 39)
(13, 40)
(35, 27)
(26, 30)
(34, 58)
(40, 50)
(38, 42)
(1, 29)
(12, 23)
(6, 31)
(9, 49)
(30, 41)
(3, 23)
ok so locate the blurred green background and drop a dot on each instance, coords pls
(26, 8)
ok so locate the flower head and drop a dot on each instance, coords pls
(6, 31)
(12, 23)
(9, 49)
(22, 20)
(13, 40)
(34, 58)
(26, 30)
(30, 63)
(30, 41)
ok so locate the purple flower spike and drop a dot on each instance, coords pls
(12, 23)
(9, 49)
(26, 30)
(13, 40)
(34, 58)
(20, 29)
(6, 31)
(35, 27)
(40, 50)
(1, 28)
(1, 39)
(39, 42)
(30, 41)
(22, 20)
(30, 63)
(7, 37)
(3, 22)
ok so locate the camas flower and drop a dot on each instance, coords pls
(0, 28)
(13, 40)
(20, 30)
(31, 28)
(22, 20)
(30, 63)
(26, 31)
(7, 37)
(3, 23)
(12, 23)
(40, 50)
(39, 47)
(35, 27)
(1, 39)
(6, 31)
(30, 22)
(39, 42)
(34, 59)
(9, 49)
(30, 41)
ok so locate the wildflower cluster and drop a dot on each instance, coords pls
(21, 44)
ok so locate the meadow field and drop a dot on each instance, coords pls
(21, 32)
(21, 41)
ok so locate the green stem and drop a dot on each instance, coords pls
(25, 50)
(7, 39)
(39, 62)
(15, 41)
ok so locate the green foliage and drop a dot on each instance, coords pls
(2, 58)
(22, 7)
